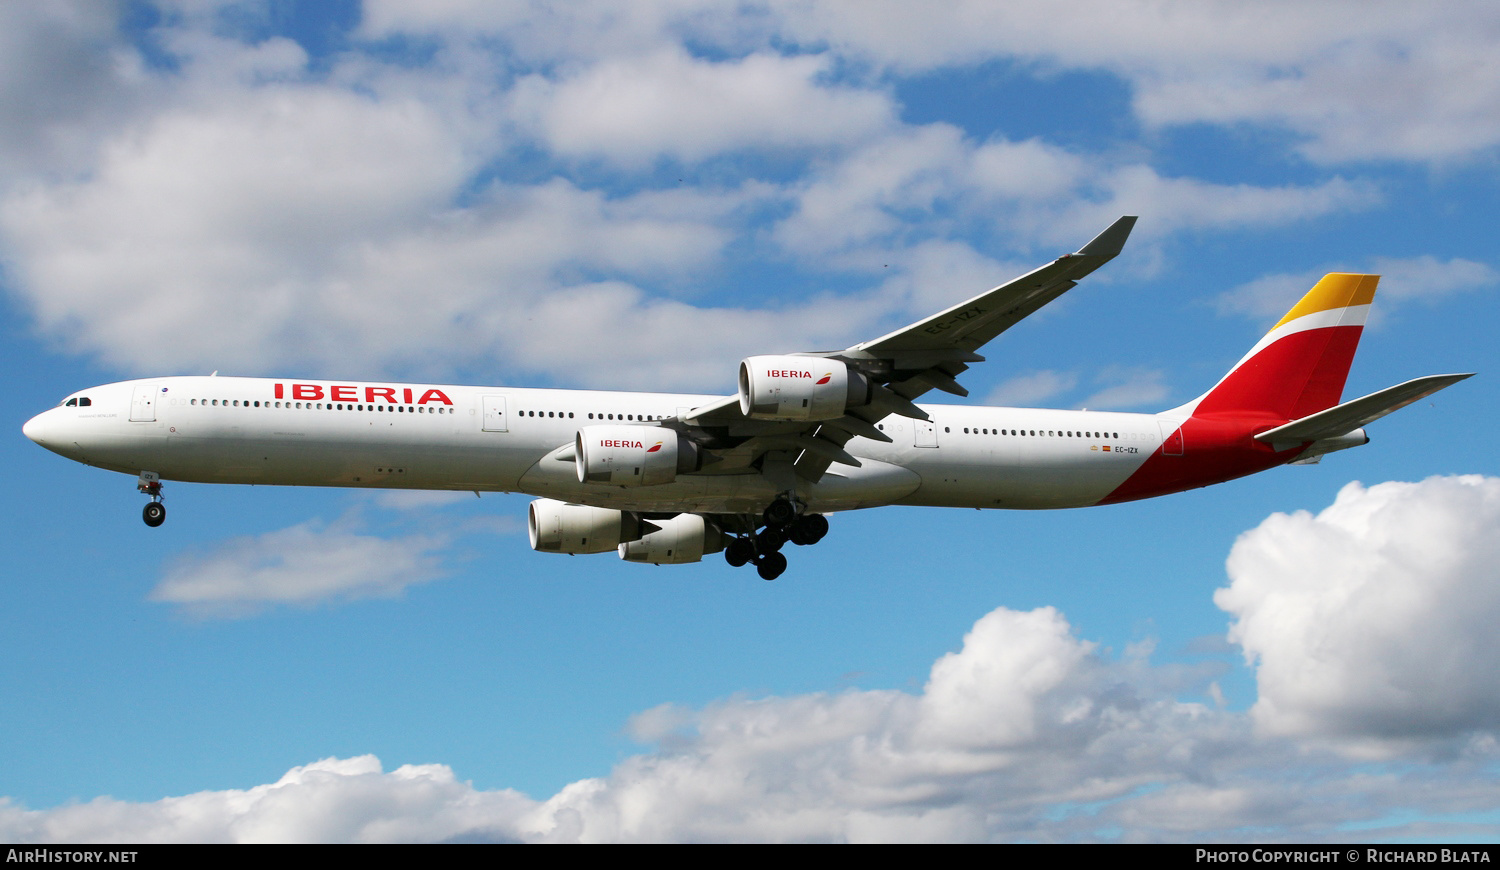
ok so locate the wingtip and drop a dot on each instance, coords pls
(1110, 242)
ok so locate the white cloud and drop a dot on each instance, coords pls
(1429, 279)
(1368, 623)
(1031, 389)
(1128, 388)
(930, 275)
(546, 34)
(210, 225)
(1402, 280)
(1384, 91)
(1352, 81)
(329, 801)
(64, 79)
(1114, 387)
(1174, 204)
(304, 566)
(1023, 714)
(263, 213)
(934, 180)
(630, 111)
(853, 201)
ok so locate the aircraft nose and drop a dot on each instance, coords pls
(36, 429)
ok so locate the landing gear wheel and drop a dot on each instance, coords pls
(809, 529)
(739, 552)
(780, 513)
(770, 566)
(155, 513)
(770, 539)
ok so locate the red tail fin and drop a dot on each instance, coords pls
(1296, 370)
(1300, 366)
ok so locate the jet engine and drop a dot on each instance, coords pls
(799, 388)
(632, 455)
(681, 539)
(558, 527)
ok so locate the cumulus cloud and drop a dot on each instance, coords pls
(1025, 732)
(1367, 622)
(933, 180)
(1384, 91)
(303, 566)
(1023, 715)
(1369, 626)
(350, 214)
(668, 104)
(1352, 81)
(330, 801)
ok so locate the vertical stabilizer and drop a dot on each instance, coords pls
(1299, 367)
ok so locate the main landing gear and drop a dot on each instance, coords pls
(782, 522)
(155, 513)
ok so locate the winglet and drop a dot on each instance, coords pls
(1110, 242)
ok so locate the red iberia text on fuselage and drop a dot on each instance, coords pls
(350, 393)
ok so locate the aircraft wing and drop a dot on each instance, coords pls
(969, 325)
(902, 365)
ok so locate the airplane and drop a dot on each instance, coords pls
(668, 478)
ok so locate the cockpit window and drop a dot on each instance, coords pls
(71, 403)
(77, 402)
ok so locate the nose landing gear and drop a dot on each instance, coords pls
(155, 513)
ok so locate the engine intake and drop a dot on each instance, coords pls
(798, 388)
(633, 455)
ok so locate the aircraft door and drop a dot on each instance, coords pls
(143, 404)
(1171, 439)
(494, 414)
(926, 433)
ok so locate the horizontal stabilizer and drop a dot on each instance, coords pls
(1344, 418)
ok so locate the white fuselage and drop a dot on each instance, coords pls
(499, 439)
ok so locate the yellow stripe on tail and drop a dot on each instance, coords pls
(1336, 290)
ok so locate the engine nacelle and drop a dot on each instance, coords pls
(632, 455)
(681, 539)
(558, 527)
(799, 388)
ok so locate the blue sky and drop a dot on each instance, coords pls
(636, 197)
